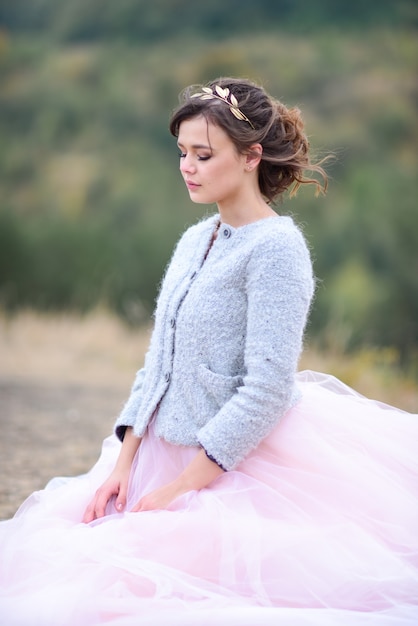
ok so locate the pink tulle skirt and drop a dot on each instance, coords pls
(317, 527)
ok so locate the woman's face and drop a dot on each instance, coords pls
(210, 164)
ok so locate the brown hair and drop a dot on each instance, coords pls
(279, 130)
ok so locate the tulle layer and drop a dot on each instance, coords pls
(317, 527)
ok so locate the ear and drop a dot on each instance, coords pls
(253, 157)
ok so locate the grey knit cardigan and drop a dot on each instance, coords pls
(219, 373)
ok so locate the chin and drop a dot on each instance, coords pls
(201, 200)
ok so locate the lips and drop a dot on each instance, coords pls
(191, 185)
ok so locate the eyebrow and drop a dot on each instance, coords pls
(196, 146)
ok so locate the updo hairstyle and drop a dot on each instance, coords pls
(279, 130)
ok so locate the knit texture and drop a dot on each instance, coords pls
(227, 338)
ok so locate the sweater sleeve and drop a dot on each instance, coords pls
(279, 289)
(129, 412)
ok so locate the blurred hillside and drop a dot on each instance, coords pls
(91, 199)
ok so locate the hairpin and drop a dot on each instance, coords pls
(226, 96)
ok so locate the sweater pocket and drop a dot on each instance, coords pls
(220, 388)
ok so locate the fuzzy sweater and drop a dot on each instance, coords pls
(227, 337)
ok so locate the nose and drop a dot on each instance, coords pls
(187, 165)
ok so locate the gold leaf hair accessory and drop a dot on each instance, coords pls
(220, 93)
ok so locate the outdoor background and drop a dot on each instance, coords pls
(91, 201)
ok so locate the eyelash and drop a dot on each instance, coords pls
(200, 158)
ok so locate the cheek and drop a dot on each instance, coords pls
(223, 173)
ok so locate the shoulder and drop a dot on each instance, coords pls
(279, 260)
(280, 228)
(279, 239)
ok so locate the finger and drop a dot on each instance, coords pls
(148, 503)
(89, 514)
(101, 503)
(142, 505)
(121, 499)
(137, 507)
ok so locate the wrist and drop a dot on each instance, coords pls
(212, 458)
(123, 465)
(128, 450)
(182, 485)
(199, 473)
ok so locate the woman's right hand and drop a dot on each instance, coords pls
(115, 486)
(117, 483)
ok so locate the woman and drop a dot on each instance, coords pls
(235, 490)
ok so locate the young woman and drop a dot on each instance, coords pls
(235, 490)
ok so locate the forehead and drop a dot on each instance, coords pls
(200, 132)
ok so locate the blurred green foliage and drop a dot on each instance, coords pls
(91, 200)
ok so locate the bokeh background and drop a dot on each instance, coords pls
(91, 201)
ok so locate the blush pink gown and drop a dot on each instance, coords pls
(317, 527)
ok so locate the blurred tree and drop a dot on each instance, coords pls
(90, 198)
(140, 19)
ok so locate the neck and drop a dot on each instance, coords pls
(241, 215)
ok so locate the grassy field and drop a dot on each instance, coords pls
(64, 378)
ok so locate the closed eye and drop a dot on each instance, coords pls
(182, 155)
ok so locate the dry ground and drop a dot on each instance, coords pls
(63, 380)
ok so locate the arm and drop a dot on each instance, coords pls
(279, 288)
(200, 472)
(117, 483)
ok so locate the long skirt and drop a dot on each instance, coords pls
(318, 526)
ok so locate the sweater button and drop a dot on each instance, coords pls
(226, 232)
(167, 377)
(173, 322)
